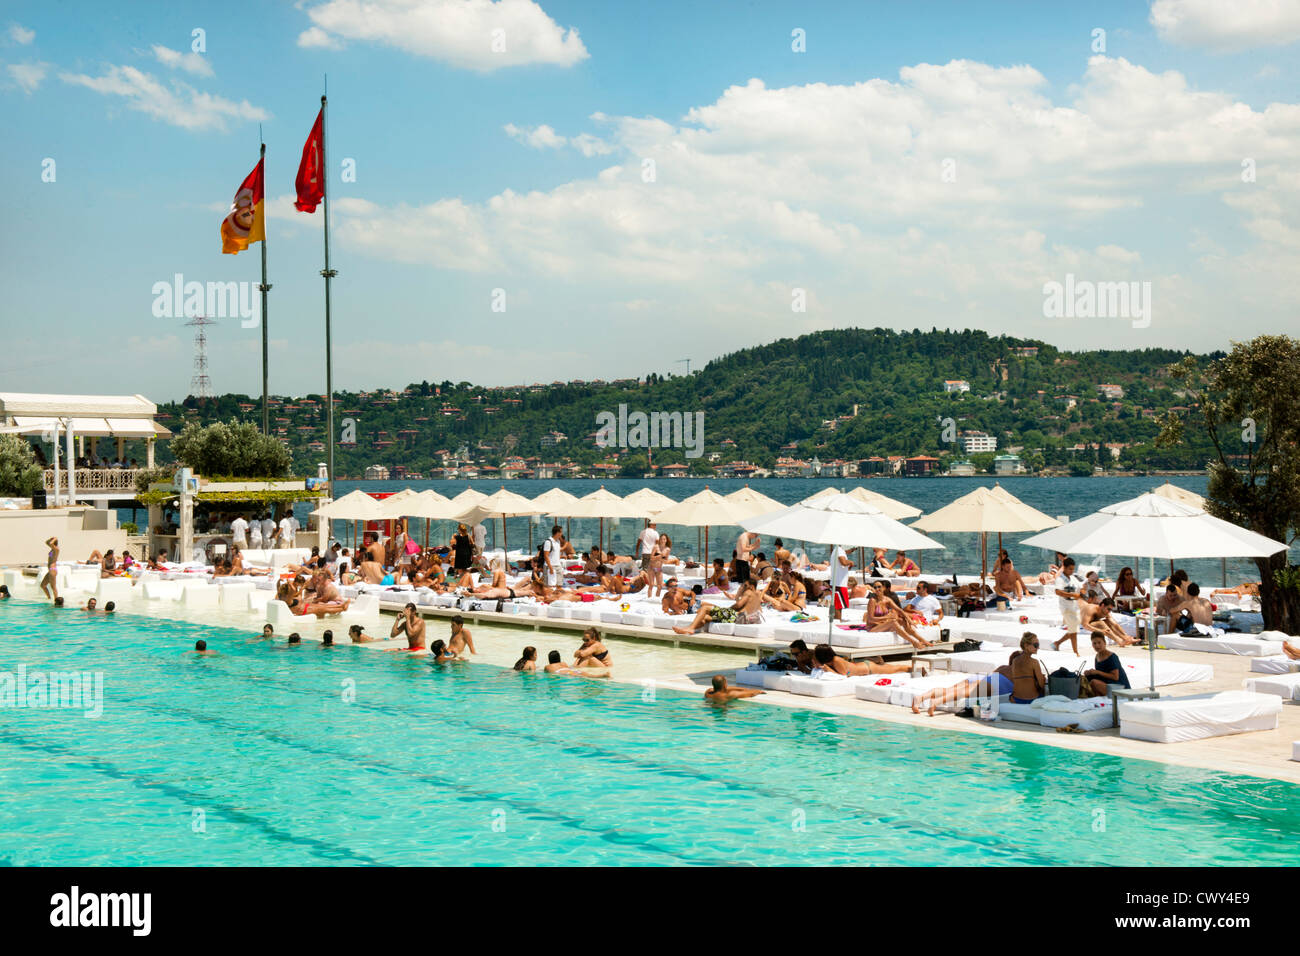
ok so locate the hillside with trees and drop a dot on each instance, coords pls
(843, 394)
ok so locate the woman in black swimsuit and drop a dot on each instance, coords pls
(592, 653)
(462, 546)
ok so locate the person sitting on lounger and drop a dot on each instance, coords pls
(1008, 582)
(1096, 619)
(1194, 609)
(1053, 570)
(411, 624)
(747, 609)
(925, 604)
(825, 658)
(675, 599)
(326, 599)
(904, 566)
(720, 693)
(884, 614)
(1109, 670)
(1128, 586)
(1027, 680)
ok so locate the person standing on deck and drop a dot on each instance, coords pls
(840, 567)
(480, 540)
(745, 546)
(648, 539)
(552, 549)
(268, 531)
(48, 583)
(239, 532)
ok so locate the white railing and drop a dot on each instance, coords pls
(93, 479)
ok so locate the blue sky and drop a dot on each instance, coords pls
(522, 170)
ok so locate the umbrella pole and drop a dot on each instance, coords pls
(830, 608)
(1151, 629)
(426, 534)
(505, 536)
(699, 549)
(706, 552)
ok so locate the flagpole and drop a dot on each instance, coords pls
(264, 288)
(328, 273)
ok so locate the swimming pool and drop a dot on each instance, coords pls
(272, 755)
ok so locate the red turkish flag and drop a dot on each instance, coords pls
(311, 173)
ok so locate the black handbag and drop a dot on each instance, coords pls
(961, 647)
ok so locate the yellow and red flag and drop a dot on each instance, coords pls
(246, 221)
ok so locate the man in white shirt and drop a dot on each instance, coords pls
(648, 540)
(927, 603)
(286, 533)
(1069, 589)
(268, 532)
(552, 549)
(840, 567)
(239, 532)
(480, 538)
(293, 528)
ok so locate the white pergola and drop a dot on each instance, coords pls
(89, 416)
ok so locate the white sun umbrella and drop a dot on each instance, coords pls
(705, 509)
(1181, 495)
(604, 504)
(984, 510)
(500, 504)
(838, 521)
(651, 501)
(427, 504)
(393, 506)
(890, 506)
(556, 502)
(352, 507)
(1156, 527)
(824, 494)
(755, 501)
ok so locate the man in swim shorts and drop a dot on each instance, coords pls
(411, 624)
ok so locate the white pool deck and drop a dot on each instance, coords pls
(687, 666)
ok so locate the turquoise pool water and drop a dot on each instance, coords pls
(270, 755)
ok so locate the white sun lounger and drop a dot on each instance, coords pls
(161, 590)
(753, 676)
(1178, 719)
(880, 686)
(1274, 664)
(1242, 645)
(824, 685)
(1093, 713)
(1286, 686)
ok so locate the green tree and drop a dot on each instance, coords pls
(20, 475)
(235, 450)
(1250, 409)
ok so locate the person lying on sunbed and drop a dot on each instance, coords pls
(984, 686)
(498, 588)
(1245, 589)
(803, 655)
(826, 659)
(720, 693)
(1053, 570)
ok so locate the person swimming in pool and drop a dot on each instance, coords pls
(719, 693)
(358, 635)
(90, 605)
(201, 650)
(440, 653)
(460, 638)
(527, 663)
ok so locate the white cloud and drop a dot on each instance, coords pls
(193, 63)
(473, 34)
(314, 38)
(177, 104)
(545, 137)
(1227, 25)
(841, 188)
(21, 35)
(29, 76)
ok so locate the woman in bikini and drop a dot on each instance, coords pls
(1127, 585)
(884, 614)
(592, 653)
(50, 579)
(499, 589)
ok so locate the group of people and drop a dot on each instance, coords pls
(264, 532)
